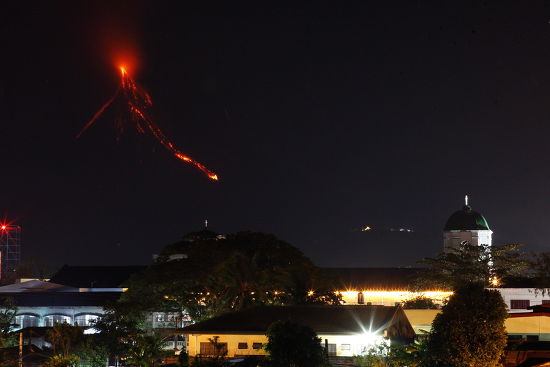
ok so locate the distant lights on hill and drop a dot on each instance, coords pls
(400, 229)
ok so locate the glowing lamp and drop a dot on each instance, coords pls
(369, 338)
(3, 227)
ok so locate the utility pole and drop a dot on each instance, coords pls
(20, 349)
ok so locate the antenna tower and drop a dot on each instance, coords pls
(10, 249)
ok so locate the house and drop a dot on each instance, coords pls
(347, 330)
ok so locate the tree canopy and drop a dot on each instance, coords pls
(293, 345)
(470, 330)
(468, 264)
(420, 303)
(206, 275)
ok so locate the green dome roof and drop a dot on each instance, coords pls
(466, 219)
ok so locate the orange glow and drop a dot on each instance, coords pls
(4, 227)
(377, 296)
(139, 104)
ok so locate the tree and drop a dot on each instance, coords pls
(420, 303)
(470, 330)
(469, 264)
(540, 274)
(294, 345)
(395, 356)
(117, 329)
(307, 284)
(146, 350)
(8, 310)
(59, 360)
(92, 352)
(64, 338)
(218, 275)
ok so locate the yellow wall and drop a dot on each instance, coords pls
(232, 341)
(353, 344)
(532, 325)
(421, 320)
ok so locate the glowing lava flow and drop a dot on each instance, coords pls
(138, 103)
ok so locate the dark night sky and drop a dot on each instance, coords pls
(318, 119)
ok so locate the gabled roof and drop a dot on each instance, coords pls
(95, 276)
(374, 278)
(322, 319)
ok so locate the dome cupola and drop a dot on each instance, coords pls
(466, 219)
(466, 225)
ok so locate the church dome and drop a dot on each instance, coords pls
(466, 219)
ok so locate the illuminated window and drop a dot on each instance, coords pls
(256, 345)
(345, 346)
(243, 346)
(26, 320)
(360, 298)
(51, 320)
(86, 319)
(331, 349)
(519, 304)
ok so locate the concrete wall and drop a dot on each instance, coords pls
(534, 297)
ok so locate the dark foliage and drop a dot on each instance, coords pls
(420, 303)
(470, 329)
(292, 344)
(470, 264)
(217, 275)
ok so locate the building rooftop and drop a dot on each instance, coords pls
(35, 286)
(95, 276)
(374, 278)
(322, 319)
(51, 299)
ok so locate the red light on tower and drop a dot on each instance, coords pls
(10, 249)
